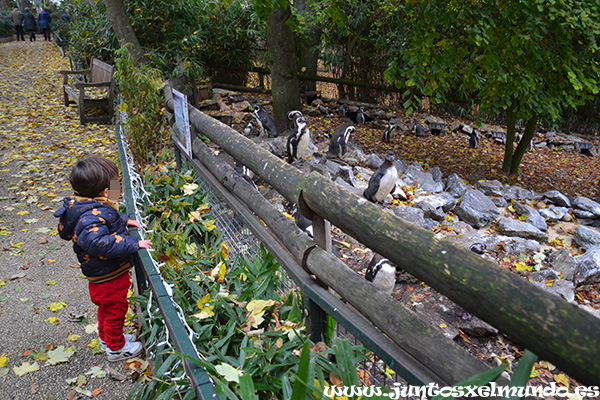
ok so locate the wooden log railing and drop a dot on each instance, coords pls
(539, 321)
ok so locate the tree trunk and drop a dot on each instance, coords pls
(123, 30)
(309, 49)
(511, 120)
(284, 71)
(525, 140)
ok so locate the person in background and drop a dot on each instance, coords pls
(29, 24)
(17, 19)
(44, 20)
(65, 16)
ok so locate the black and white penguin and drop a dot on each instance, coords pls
(387, 134)
(250, 127)
(478, 248)
(343, 110)
(417, 128)
(245, 173)
(383, 181)
(357, 117)
(382, 273)
(302, 222)
(292, 116)
(474, 139)
(265, 120)
(298, 140)
(529, 145)
(339, 141)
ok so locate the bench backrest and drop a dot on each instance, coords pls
(100, 71)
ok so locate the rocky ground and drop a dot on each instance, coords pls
(541, 225)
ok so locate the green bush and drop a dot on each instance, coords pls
(250, 335)
(7, 28)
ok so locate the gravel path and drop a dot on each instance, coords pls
(40, 139)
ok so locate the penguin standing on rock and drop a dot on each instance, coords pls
(381, 273)
(474, 139)
(298, 140)
(383, 181)
(339, 141)
(387, 134)
(265, 120)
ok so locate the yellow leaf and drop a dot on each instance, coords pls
(52, 260)
(52, 320)
(23, 212)
(521, 266)
(57, 306)
(3, 360)
(228, 372)
(94, 343)
(73, 337)
(547, 365)
(561, 379)
(209, 225)
(51, 282)
(443, 326)
(224, 251)
(201, 302)
(258, 306)
(26, 368)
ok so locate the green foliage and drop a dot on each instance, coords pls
(7, 27)
(539, 57)
(142, 93)
(249, 334)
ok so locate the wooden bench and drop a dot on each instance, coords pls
(99, 83)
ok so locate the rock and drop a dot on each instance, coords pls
(436, 174)
(583, 203)
(543, 275)
(514, 227)
(431, 212)
(373, 161)
(533, 216)
(500, 202)
(477, 209)
(553, 214)
(476, 327)
(588, 267)
(356, 190)
(519, 246)
(557, 198)
(583, 214)
(560, 287)
(518, 193)
(401, 166)
(424, 180)
(241, 106)
(586, 237)
(443, 200)
(490, 188)
(455, 185)
(564, 264)
(346, 174)
(410, 214)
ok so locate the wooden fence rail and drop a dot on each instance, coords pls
(542, 322)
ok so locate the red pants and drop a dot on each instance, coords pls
(111, 299)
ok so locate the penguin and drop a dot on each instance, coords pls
(357, 117)
(265, 120)
(339, 141)
(298, 140)
(474, 139)
(417, 128)
(245, 173)
(478, 248)
(387, 134)
(250, 127)
(529, 145)
(292, 116)
(383, 181)
(302, 222)
(343, 110)
(382, 273)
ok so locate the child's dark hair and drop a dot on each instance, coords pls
(92, 174)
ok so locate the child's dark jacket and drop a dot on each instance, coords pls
(100, 237)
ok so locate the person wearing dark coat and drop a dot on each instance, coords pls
(17, 19)
(29, 24)
(44, 19)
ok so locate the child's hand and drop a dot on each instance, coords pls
(145, 244)
(134, 223)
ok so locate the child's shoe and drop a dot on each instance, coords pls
(129, 350)
(128, 338)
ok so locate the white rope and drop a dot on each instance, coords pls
(141, 196)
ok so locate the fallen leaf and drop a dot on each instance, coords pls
(60, 355)
(228, 372)
(26, 368)
(3, 360)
